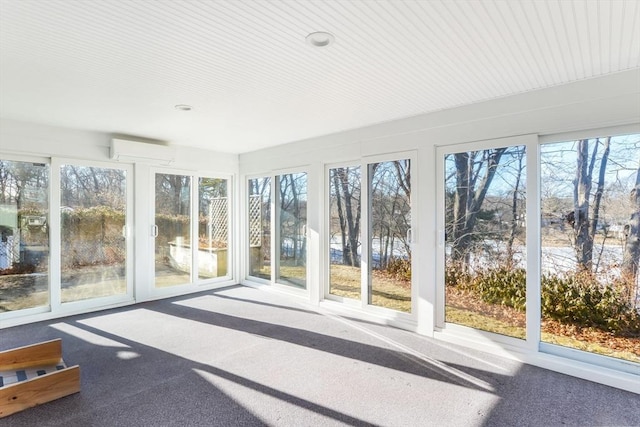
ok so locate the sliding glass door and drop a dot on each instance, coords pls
(389, 234)
(485, 238)
(291, 239)
(95, 242)
(373, 208)
(188, 206)
(345, 247)
(259, 225)
(213, 228)
(540, 241)
(277, 243)
(590, 244)
(172, 229)
(24, 235)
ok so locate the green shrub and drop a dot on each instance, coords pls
(503, 286)
(456, 276)
(399, 269)
(580, 299)
(576, 298)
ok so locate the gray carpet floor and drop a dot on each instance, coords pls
(246, 357)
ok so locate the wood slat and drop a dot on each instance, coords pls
(46, 353)
(26, 394)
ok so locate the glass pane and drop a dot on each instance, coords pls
(344, 232)
(590, 239)
(389, 234)
(485, 252)
(213, 228)
(173, 220)
(292, 218)
(92, 220)
(260, 228)
(24, 235)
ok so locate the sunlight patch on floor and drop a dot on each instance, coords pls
(87, 336)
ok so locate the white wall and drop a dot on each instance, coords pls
(601, 102)
(25, 138)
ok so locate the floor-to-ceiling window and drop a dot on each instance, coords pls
(94, 234)
(291, 237)
(374, 208)
(24, 235)
(344, 231)
(590, 244)
(278, 243)
(389, 234)
(213, 228)
(173, 255)
(560, 271)
(259, 227)
(190, 205)
(485, 239)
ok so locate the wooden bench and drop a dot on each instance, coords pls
(33, 375)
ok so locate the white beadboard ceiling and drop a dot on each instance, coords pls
(120, 66)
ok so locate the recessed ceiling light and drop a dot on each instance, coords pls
(183, 107)
(320, 39)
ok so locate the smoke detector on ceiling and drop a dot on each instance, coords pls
(320, 39)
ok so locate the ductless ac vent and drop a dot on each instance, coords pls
(124, 150)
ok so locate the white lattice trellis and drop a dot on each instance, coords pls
(218, 220)
(255, 221)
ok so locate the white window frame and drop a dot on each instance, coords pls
(42, 311)
(583, 364)
(254, 280)
(195, 200)
(555, 349)
(403, 319)
(451, 331)
(194, 284)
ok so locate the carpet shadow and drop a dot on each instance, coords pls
(384, 357)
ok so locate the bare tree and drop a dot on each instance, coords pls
(585, 229)
(631, 254)
(346, 187)
(520, 157)
(474, 172)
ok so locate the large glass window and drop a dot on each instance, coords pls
(383, 223)
(344, 232)
(291, 208)
(93, 235)
(485, 249)
(259, 213)
(590, 240)
(389, 234)
(213, 228)
(24, 235)
(173, 255)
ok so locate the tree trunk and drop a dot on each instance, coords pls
(296, 219)
(346, 253)
(468, 199)
(631, 254)
(352, 223)
(600, 189)
(514, 210)
(460, 245)
(582, 188)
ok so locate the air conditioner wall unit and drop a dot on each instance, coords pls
(124, 150)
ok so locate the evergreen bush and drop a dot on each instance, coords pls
(576, 298)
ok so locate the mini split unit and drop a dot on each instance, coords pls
(124, 150)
